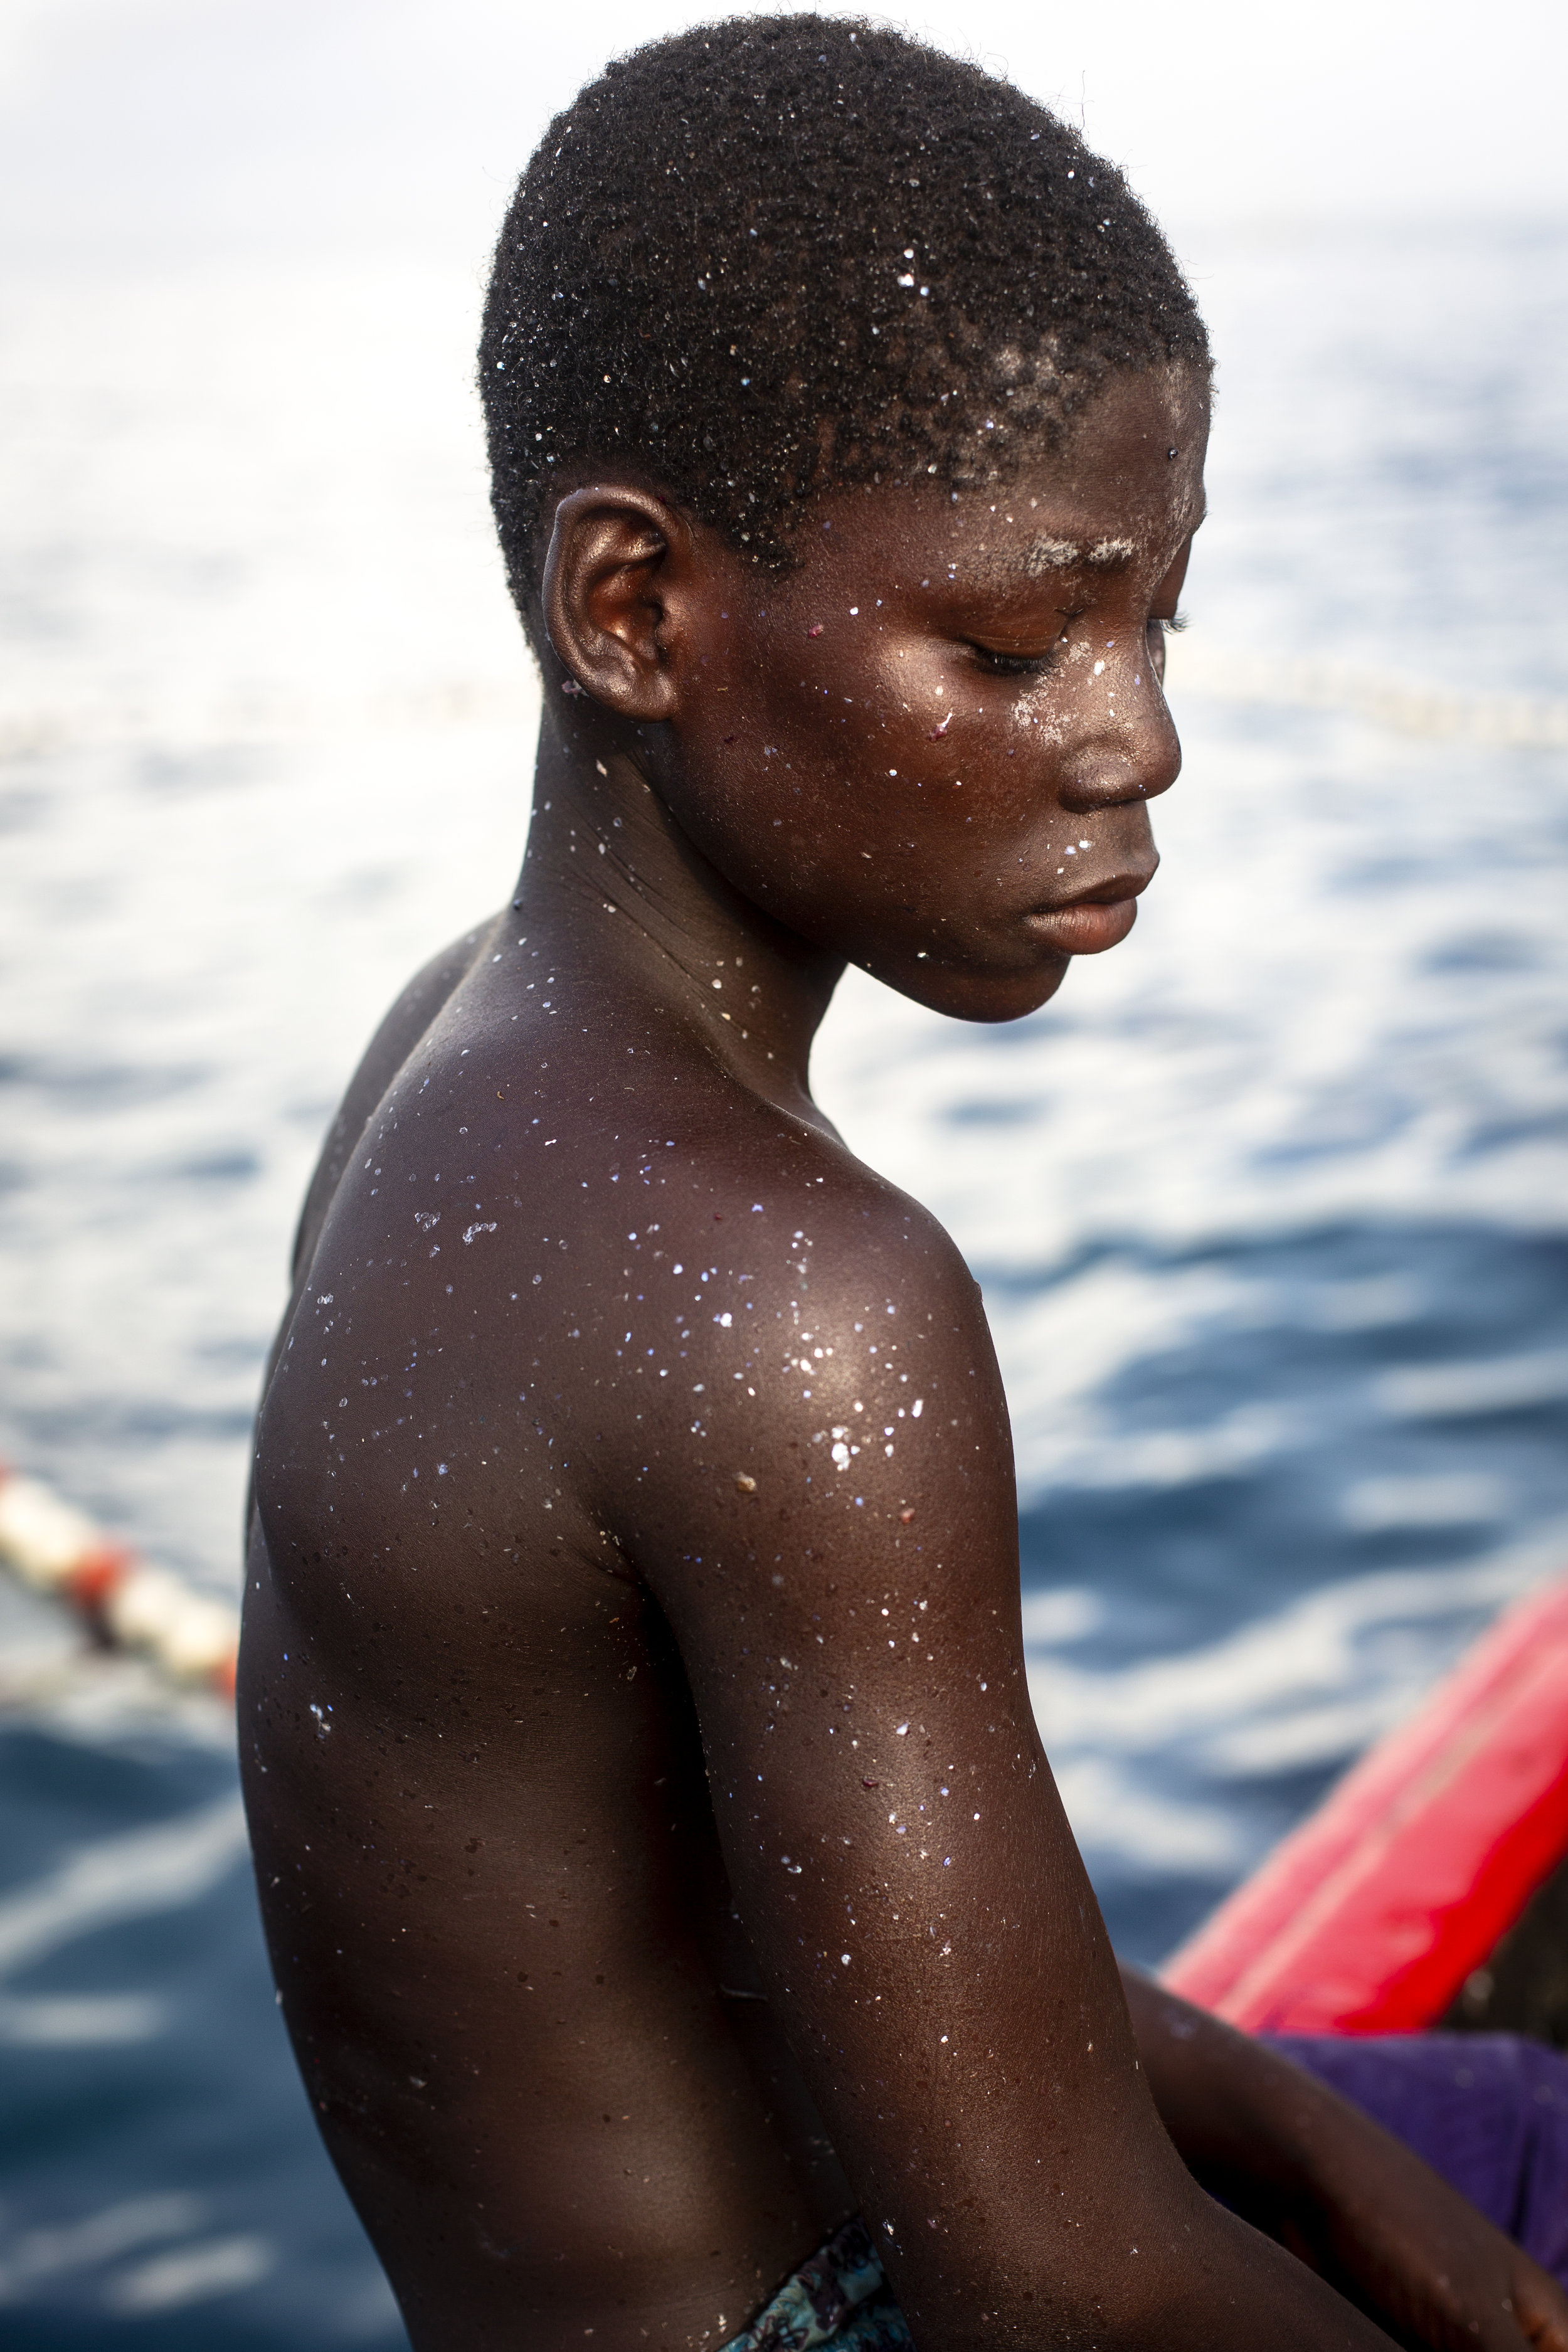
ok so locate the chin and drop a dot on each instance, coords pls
(967, 994)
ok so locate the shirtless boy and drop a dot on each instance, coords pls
(660, 1864)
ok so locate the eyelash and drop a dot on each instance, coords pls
(1038, 665)
(1014, 664)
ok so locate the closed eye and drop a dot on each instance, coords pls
(997, 665)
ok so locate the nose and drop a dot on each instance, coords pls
(1131, 754)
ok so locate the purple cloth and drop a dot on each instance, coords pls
(1489, 2110)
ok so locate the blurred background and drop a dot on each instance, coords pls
(1269, 1207)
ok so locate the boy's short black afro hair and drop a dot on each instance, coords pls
(781, 253)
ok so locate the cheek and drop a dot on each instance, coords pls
(1039, 719)
(977, 754)
(795, 779)
(827, 750)
(875, 737)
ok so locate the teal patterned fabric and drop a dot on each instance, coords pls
(840, 2301)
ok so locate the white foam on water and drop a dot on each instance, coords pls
(1304, 1687)
(1372, 1504)
(35, 2255)
(80, 2020)
(1262, 1676)
(1119, 1814)
(1458, 1391)
(126, 1877)
(190, 2274)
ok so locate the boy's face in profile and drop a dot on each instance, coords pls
(929, 746)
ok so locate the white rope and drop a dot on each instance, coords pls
(1404, 706)
(265, 714)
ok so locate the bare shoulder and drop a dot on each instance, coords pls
(807, 1352)
(410, 1015)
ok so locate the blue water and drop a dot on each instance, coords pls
(1269, 1207)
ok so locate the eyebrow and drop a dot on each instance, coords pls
(1048, 554)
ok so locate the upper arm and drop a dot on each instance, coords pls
(826, 1514)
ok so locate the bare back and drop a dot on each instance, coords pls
(494, 1894)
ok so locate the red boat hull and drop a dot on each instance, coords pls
(1371, 1916)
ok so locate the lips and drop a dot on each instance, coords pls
(1098, 916)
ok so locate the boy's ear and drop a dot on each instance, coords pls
(615, 554)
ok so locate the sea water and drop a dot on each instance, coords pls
(1268, 1206)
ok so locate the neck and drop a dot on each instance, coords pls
(602, 837)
